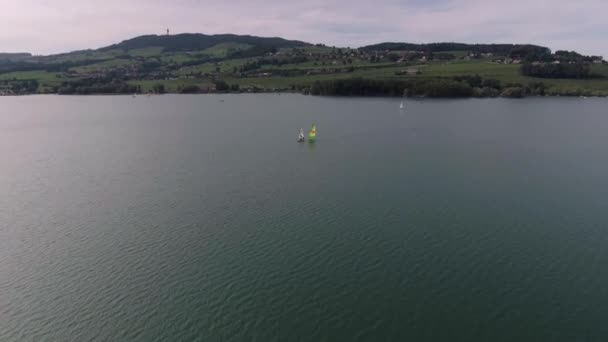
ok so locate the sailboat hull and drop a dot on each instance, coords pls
(313, 134)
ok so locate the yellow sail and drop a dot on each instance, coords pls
(313, 133)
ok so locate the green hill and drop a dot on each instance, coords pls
(227, 62)
(198, 42)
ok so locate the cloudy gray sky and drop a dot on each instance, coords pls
(51, 26)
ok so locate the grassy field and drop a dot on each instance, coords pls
(503, 72)
(279, 82)
(146, 52)
(101, 66)
(225, 66)
(458, 53)
(176, 58)
(601, 69)
(510, 73)
(41, 76)
(506, 73)
(223, 49)
(45, 79)
(81, 56)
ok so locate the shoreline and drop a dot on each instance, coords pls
(305, 94)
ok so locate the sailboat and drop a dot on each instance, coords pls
(401, 106)
(313, 134)
(301, 136)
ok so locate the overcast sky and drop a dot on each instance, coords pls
(51, 26)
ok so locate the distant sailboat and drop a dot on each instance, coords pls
(401, 106)
(301, 136)
(313, 134)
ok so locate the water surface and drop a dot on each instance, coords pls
(199, 218)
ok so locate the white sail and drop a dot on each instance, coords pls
(301, 135)
(401, 105)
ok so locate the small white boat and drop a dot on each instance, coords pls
(401, 106)
(301, 136)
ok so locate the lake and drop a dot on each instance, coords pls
(199, 218)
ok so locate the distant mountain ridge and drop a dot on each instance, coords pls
(502, 49)
(199, 41)
(6, 56)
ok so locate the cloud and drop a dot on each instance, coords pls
(45, 26)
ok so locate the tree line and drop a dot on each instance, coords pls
(460, 86)
(512, 50)
(574, 70)
(96, 86)
(20, 86)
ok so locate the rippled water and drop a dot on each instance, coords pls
(199, 218)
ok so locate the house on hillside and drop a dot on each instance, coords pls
(598, 60)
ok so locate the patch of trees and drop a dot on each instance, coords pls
(443, 56)
(511, 50)
(568, 56)
(249, 66)
(252, 52)
(461, 86)
(562, 70)
(358, 87)
(367, 87)
(188, 89)
(474, 81)
(444, 88)
(492, 88)
(199, 61)
(21, 86)
(513, 92)
(393, 57)
(149, 65)
(97, 86)
(221, 86)
(158, 88)
(12, 66)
